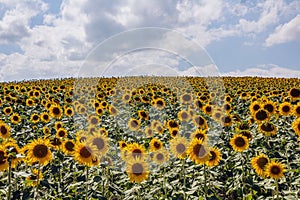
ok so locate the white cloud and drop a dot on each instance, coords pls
(266, 71)
(287, 32)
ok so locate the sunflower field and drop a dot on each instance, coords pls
(150, 138)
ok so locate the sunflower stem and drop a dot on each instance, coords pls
(87, 182)
(9, 179)
(164, 182)
(38, 183)
(243, 182)
(277, 191)
(184, 178)
(205, 179)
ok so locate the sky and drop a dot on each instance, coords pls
(42, 39)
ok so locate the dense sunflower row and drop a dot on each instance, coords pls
(150, 137)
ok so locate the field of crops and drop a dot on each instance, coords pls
(150, 138)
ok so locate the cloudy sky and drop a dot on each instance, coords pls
(46, 38)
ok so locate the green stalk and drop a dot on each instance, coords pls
(243, 182)
(87, 183)
(277, 190)
(184, 178)
(205, 179)
(9, 179)
(38, 182)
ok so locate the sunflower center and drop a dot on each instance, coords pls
(137, 169)
(3, 130)
(208, 109)
(256, 107)
(56, 111)
(173, 124)
(45, 117)
(275, 170)
(69, 146)
(15, 118)
(134, 123)
(261, 115)
(239, 142)
(156, 145)
(295, 92)
(94, 121)
(261, 162)
(213, 156)
(99, 143)
(226, 119)
(136, 153)
(267, 127)
(160, 103)
(199, 120)
(199, 136)
(55, 142)
(184, 115)
(35, 117)
(286, 109)
(40, 151)
(144, 114)
(269, 107)
(199, 150)
(175, 132)
(186, 97)
(85, 152)
(61, 133)
(180, 148)
(159, 156)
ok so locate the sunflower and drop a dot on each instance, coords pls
(296, 126)
(93, 120)
(254, 106)
(268, 129)
(38, 151)
(3, 159)
(34, 179)
(136, 150)
(137, 170)
(186, 98)
(12, 149)
(149, 131)
(100, 142)
(259, 164)
(198, 151)
(161, 156)
(84, 153)
(200, 134)
(159, 103)
(126, 97)
(179, 146)
(56, 143)
(261, 115)
(275, 169)
(122, 144)
(270, 107)
(29, 102)
(58, 125)
(174, 132)
(69, 147)
(207, 109)
(183, 116)
(4, 130)
(134, 124)
(46, 130)
(200, 122)
(35, 118)
(172, 124)
(143, 115)
(239, 142)
(56, 111)
(217, 114)
(214, 157)
(155, 144)
(7, 110)
(45, 117)
(69, 111)
(285, 108)
(294, 93)
(81, 136)
(296, 110)
(198, 104)
(247, 134)
(226, 120)
(62, 133)
(15, 118)
(113, 110)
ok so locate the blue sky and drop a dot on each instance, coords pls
(48, 39)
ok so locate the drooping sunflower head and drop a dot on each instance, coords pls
(239, 142)
(214, 157)
(198, 151)
(137, 170)
(179, 146)
(259, 164)
(268, 129)
(275, 169)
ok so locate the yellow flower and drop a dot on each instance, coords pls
(239, 142)
(137, 170)
(259, 164)
(179, 146)
(38, 151)
(198, 151)
(275, 170)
